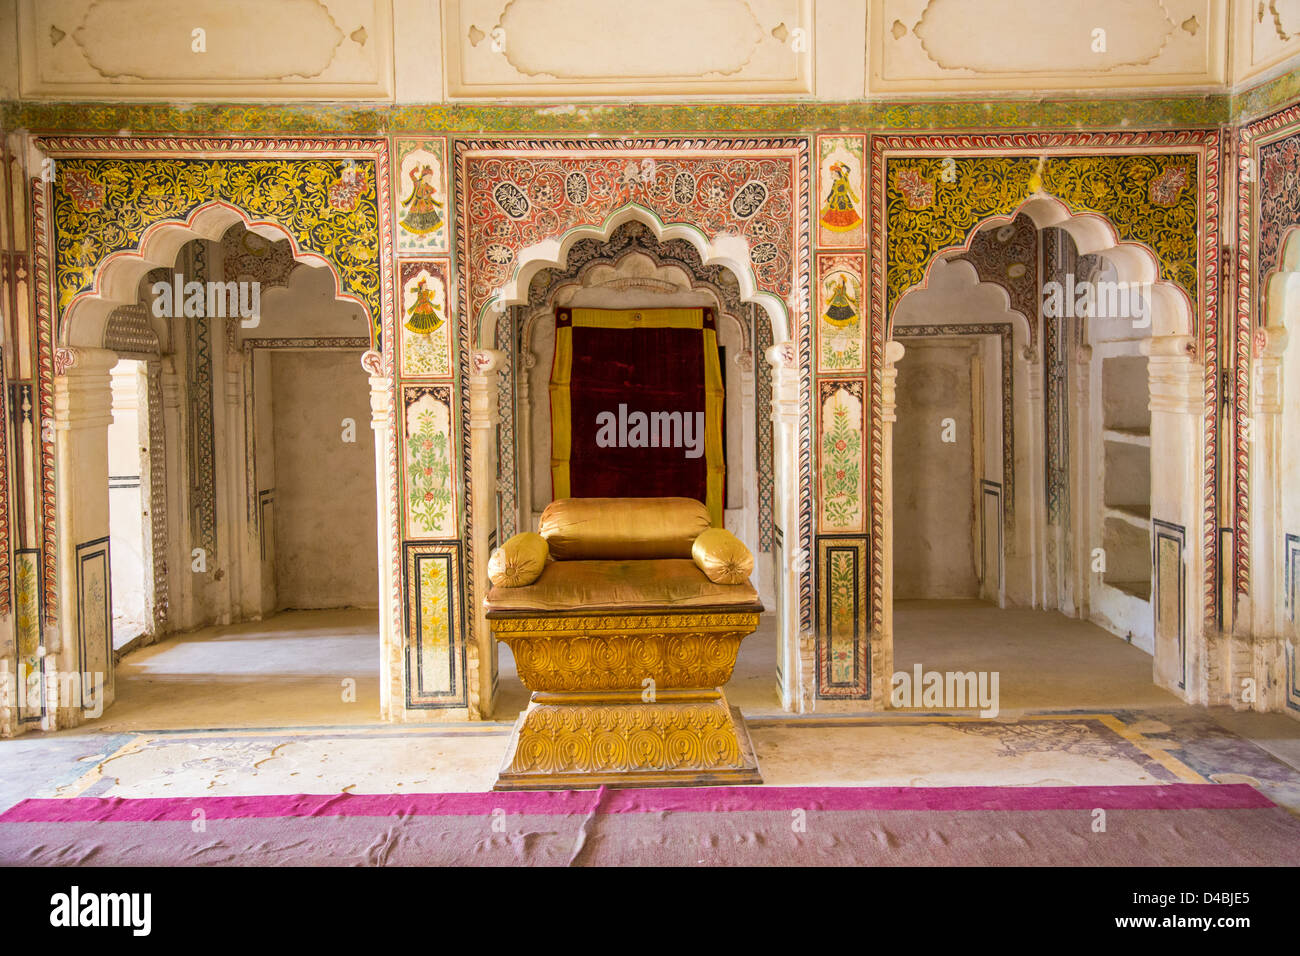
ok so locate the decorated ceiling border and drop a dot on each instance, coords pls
(66, 151)
(1005, 170)
(1268, 208)
(109, 192)
(557, 186)
(615, 117)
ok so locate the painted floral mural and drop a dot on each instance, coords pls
(841, 457)
(430, 485)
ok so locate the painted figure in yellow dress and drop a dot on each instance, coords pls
(423, 209)
(423, 313)
(840, 213)
(840, 311)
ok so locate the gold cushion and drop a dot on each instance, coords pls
(581, 529)
(578, 586)
(722, 557)
(519, 561)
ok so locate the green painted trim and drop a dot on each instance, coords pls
(975, 114)
(1267, 97)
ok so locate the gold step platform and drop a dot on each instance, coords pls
(627, 700)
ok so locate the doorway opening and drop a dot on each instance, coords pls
(635, 269)
(262, 442)
(129, 507)
(1023, 479)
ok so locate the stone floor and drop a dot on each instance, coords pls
(262, 708)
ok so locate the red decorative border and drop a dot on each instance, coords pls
(589, 154)
(1251, 290)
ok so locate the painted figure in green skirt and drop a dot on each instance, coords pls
(839, 310)
(423, 209)
(423, 313)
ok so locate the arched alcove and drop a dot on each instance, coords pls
(506, 246)
(1160, 446)
(209, 423)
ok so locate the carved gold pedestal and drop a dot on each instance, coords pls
(627, 700)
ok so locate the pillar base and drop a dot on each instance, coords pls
(576, 740)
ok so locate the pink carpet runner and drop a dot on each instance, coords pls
(1169, 825)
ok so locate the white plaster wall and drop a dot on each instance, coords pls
(133, 49)
(936, 46)
(954, 295)
(325, 524)
(265, 475)
(934, 516)
(126, 521)
(307, 307)
(586, 47)
(1266, 39)
(416, 51)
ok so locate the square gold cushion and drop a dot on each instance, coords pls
(657, 584)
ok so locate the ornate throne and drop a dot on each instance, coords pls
(624, 616)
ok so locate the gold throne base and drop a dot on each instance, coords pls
(626, 700)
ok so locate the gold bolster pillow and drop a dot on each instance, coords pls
(622, 529)
(722, 557)
(519, 561)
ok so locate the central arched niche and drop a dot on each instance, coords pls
(633, 269)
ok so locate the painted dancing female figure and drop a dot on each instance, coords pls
(840, 213)
(424, 318)
(839, 310)
(423, 210)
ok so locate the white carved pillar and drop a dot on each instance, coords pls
(83, 410)
(180, 581)
(1085, 527)
(1177, 480)
(524, 435)
(748, 532)
(251, 595)
(1030, 481)
(392, 632)
(484, 416)
(233, 527)
(795, 651)
(882, 669)
(1267, 552)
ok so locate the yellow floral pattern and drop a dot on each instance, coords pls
(329, 206)
(933, 203)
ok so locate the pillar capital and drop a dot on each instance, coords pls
(785, 383)
(1270, 343)
(381, 401)
(83, 390)
(485, 364)
(894, 351)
